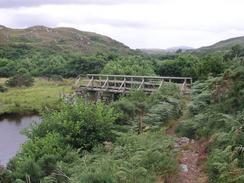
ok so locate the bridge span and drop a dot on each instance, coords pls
(100, 85)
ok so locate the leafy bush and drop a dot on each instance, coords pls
(82, 125)
(56, 78)
(184, 65)
(3, 89)
(22, 78)
(223, 168)
(217, 110)
(132, 159)
(133, 65)
(160, 113)
(206, 124)
(38, 157)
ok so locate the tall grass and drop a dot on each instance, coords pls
(25, 100)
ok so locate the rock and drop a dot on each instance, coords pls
(183, 168)
(183, 141)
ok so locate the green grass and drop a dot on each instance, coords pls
(33, 99)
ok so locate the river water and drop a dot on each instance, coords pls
(10, 136)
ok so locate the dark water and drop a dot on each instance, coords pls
(10, 136)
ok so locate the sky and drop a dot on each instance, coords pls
(136, 23)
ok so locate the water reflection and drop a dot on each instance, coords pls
(10, 136)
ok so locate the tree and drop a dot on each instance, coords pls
(132, 65)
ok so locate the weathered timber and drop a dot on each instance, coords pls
(115, 84)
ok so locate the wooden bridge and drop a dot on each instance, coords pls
(99, 84)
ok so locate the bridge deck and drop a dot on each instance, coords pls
(125, 83)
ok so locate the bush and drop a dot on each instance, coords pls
(82, 125)
(206, 124)
(56, 78)
(22, 78)
(3, 89)
(132, 65)
(134, 158)
(160, 113)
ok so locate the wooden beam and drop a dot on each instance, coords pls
(142, 82)
(161, 83)
(90, 82)
(146, 77)
(122, 84)
(106, 83)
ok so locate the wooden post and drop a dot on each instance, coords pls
(92, 82)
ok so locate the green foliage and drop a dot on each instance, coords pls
(82, 125)
(164, 105)
(132, 159)
(84, 65)
(183, 65)
(65, 65)
(28, 100)
(89, 128)
(217, 110)
(132, 65)
(152, 110)
(3, 89)
(206, 124)
(22, 78)
(211, 65)
(38, 157)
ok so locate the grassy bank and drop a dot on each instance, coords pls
(33, 99)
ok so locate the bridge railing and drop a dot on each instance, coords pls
(123, 83)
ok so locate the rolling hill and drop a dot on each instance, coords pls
(223, 46)
(16, 42)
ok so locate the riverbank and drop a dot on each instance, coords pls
(32, 100)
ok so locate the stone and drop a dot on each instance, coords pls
(183, 140)
(183, 168)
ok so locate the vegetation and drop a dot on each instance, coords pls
(22, 78)
(87, 135)
(123, 141)
(129, 66)
(217, 114)
(26, 100)
(23, 43)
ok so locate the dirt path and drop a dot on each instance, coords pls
(192, 154)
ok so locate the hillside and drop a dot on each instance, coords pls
(224, 45)
(54, 40)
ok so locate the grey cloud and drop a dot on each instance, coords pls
(118, 23)
(31, 3)
(26, 20)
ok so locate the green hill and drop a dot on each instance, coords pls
(20, 42)
(223, 46)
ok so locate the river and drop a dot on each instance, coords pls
(10, 136)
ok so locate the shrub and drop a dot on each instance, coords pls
(134, 158)
(22, 78)
(206, 124)
(82, 125)
(3, 89)
(56, 78)
(160, 113)
(132, 65)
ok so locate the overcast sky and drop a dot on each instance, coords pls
(136, 23)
